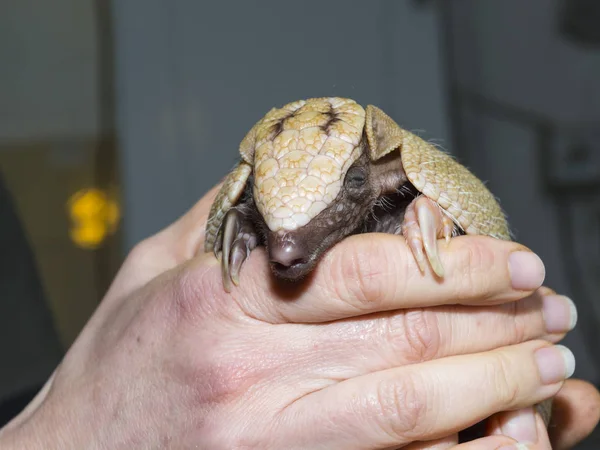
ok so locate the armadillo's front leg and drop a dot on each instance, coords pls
(236, 239)
(424, 223)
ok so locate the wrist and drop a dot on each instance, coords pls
(22, 436)
(39, 429)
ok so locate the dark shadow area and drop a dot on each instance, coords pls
(32, 350)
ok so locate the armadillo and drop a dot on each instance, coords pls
(318, 170)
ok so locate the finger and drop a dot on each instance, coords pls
(575, 414)
(376, 342)
(433, 399)
(525, 426)
(436, 444)
(168, 248)
(376, 272)
(490, 443)
(545, 290)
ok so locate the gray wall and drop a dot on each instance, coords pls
(193, 77)
(49, 72)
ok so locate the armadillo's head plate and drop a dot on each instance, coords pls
(301, 153)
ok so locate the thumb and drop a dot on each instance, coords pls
(170, 247)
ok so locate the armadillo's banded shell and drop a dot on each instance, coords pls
(228, 195)
(452, 186)
(301, 154)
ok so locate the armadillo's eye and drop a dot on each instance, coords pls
(356, 177)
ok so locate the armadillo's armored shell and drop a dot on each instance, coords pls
(228, 195)
(453, 187)
(302, 152)
(299, 155)
(232, 189)
(438, 176)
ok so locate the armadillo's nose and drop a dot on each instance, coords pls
(287, 254)
(290, 255)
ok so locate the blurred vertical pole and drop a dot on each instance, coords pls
(106, 173)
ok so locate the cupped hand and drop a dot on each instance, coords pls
(367, 353)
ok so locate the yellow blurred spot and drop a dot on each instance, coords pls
(94, 216)
(90, 235)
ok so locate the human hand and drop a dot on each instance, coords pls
(575, 414)
(168, 360)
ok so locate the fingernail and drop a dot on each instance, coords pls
(527, 271)
(555, 363)
(520, 425)
(515, 447)
(560, 313)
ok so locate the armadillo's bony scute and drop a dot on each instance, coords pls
(460, 194)
(303, 151)
(230, 191)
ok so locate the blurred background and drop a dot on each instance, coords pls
(116, 117)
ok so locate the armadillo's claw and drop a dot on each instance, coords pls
(239, 253)
(426, 218)
(218, 245)
(448, 228)
(238, 240)
(416, 246)
(230, 231)
(423, 224)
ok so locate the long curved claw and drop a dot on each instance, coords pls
(423, 224)
(448, 228)
(236, 239)
(217, 247)
(416, 246)
(239, 253)
(429, 231)
(230, 232)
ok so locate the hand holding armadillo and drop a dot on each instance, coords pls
(316, 171)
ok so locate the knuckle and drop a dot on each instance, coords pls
(194, 294)
(475, 262)
(519, 324)
(225, 373)
(231, 377)
(360, 276)
(414, 334)
(141, 251)
(402, 407)
(501, 372)
(519, 321)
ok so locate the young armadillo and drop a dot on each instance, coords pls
(318, 170)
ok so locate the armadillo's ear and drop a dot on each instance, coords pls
(383, 134)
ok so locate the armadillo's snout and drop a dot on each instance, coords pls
(289, 257)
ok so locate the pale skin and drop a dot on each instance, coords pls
(368, 353)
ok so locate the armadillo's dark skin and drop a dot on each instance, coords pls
(315, 171)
